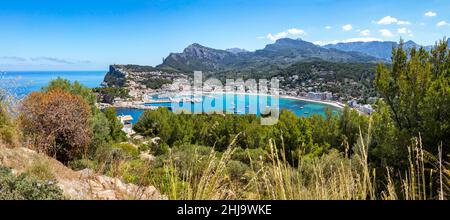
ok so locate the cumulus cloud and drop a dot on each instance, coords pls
(403, 23)
(442, 23)
(430, 14)
(274, 37)
(328, 27)
(347, 27)
(392, 20)
(405, 31)
(296, 31)
(387, 20)
(364, 32)
(386, 33)
(284, 34)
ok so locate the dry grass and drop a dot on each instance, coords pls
(330, 177)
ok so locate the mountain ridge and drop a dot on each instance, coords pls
(282, 52)
(379, 49)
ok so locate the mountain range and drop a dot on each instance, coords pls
(281, 53)
(379, 49)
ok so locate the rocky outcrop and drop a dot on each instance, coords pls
(116, 76)
(80, 185)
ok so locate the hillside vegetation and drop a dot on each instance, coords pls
(399, 152)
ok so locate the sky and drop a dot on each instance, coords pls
(90, 35)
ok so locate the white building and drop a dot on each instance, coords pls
(127, 121)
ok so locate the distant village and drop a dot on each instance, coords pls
(140, 93)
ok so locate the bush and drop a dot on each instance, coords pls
(128, 148)
(23, 187)
(40, 170)
(247, 155)
(57, 123)
(82, 164)
(134, 171)
(8, 131)
(237, 171)
(160, 149)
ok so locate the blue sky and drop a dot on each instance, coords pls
(90, 35)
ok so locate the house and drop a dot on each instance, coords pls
(127, 121)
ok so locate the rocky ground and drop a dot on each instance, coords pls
(80, 185)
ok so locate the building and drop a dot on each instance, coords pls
(366, 109)
(320, 95)
(353, 103)
(127, 122)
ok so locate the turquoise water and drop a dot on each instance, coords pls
(22, 83)
(238, 104)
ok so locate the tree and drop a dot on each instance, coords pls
(8, 130)
(115, 127)
(416, 89)
(57, 123)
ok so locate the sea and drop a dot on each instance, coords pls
(21, 83)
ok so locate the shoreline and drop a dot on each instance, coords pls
(141, 104)
(324, 102)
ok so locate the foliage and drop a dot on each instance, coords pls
(41, 170)
(416, 88)
(108, 94)
(9, 133)
(23, 187)
(57, 123)
(115, 127)
(156, 83)
(129, 149)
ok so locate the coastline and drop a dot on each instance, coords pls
(330, 103)
(141, 104)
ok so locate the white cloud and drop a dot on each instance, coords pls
(276, 36)
(296, 31)
(392, 20)
(319, 42)
(442, 23)
(387, 20)
(364, 32)
(405, 31)
(328, 27)
(403, 23)
(386, 33)
(402, 30)
(284, 34)
(361, 39)
(430, 14)
(347, 27)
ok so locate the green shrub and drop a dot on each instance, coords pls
(82, 164)
(130, 149)
(160, 149)
(247, 155)
(134, 171)
(40, 170)
(8, 131)
(238, 170)
(143, 147)
(24, 187)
